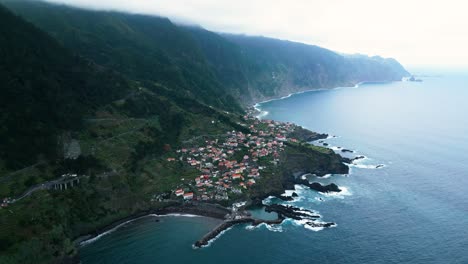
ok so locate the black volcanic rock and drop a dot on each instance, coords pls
(291, 212)
(306, 135)
(349, 161)
(347, 151)
(319, 187)
(319, 224)
(324, 188)
(284, 198)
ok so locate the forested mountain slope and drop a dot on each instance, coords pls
(213, 68)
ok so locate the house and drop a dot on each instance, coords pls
(237, 176)
(281, 138)
(179, 192)
(188, 196)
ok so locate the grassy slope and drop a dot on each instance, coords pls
(125, 137)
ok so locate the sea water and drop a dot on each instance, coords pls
(412, 210)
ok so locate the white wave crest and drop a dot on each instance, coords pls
(272, 228)
(344, 192)
(177, 215)
(325, 176)
(368, 166)
(304, 224)
(211, 241)
(94, 239)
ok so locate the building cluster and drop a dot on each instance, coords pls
(231, 165)
(6, 201)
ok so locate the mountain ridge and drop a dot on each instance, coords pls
(216, 68)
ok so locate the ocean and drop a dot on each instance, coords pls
(412, 210)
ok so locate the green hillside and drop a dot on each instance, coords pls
(125, 130)
(213, 68)
(45, 88)
(144, 48)
(111, 96)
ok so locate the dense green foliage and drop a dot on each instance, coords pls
(128, 89)
(144, 48)
(210, 67)
(44, 89)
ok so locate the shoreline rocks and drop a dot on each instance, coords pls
(306, 135)
(291, 212)
(319, 187)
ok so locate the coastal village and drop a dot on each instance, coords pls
(231, 164)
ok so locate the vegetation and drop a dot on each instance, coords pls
(119, 93)
(213, 68)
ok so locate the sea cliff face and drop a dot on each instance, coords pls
(217, 69)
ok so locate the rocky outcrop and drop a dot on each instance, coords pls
(291, 212)
(319, 187)
(299, 214)
(305, 158)
(306, 135)
(351, 161)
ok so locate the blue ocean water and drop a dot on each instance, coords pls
(413, 210)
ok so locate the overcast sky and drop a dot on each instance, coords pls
(416, 32)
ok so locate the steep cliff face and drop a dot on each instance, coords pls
(217, 69)
(270, 67)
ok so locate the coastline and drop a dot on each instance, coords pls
(195, 209)
(276, 98)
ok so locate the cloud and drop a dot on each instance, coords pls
(416, 32)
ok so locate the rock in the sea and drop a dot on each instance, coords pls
(350, 161)
(318, 224)
(325, 144)
(347, 151)
(294, 194)
(324, 188)
(319, 187)
(284, 198)
(291, 212)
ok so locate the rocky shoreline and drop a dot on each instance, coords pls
(302, 159)
(319, 187)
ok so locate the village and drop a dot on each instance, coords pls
(232, 164)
